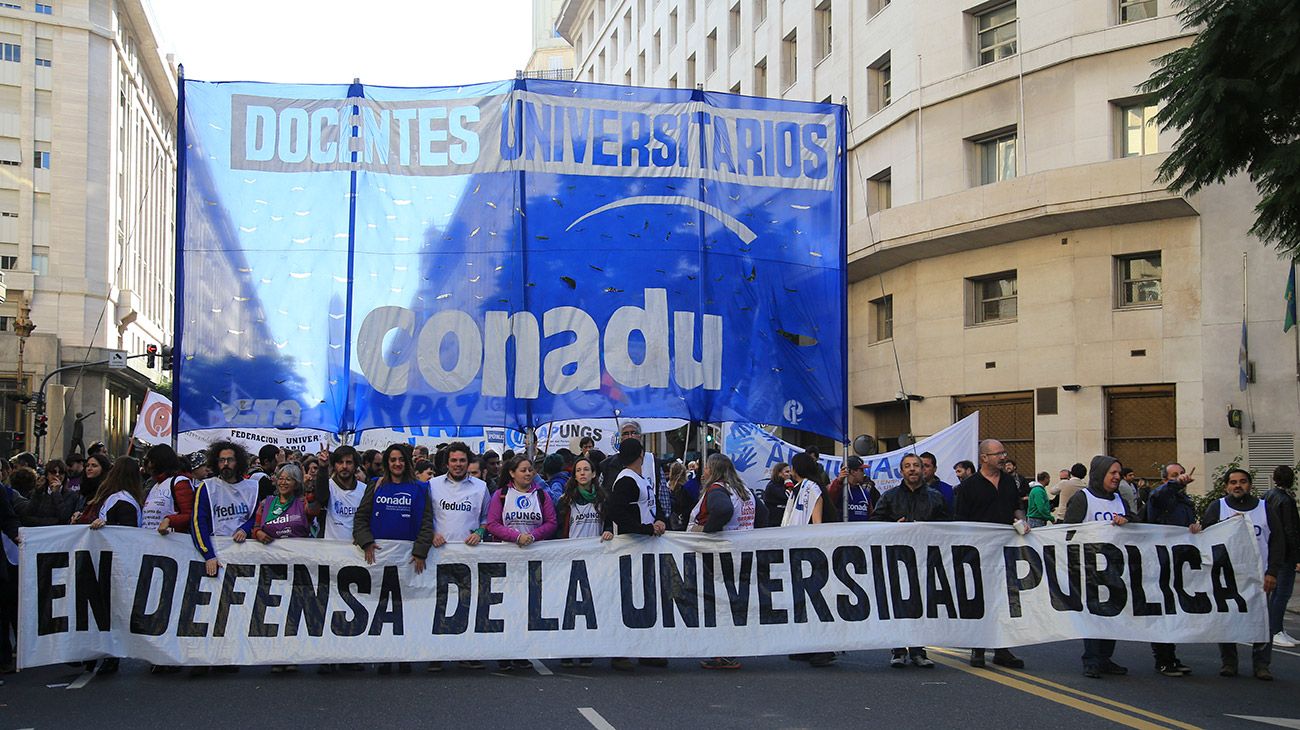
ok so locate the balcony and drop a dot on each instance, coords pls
(555, 74)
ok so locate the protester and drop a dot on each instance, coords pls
(1272, 551)
(633, 509)
(912, 501)
(269, 458)
(853, 490)
(475, 468)
(521, 513)
(338, 497)
(1169, 504)
(991, 495)
(280, 515)
(806, 503)
(1128, 489)
(9, 526)
(777, 493)
(1063, 491)
(460, 510)
(395, 508)
(1039, 512)
(725, 506)
(682, 501)
(1100, 501)
(76, 469)
(1281, 499)
(580, 514)
(491, 464)
(49, 503)
(930, 476)
(169, 503)
(963, 469)
(92, 473)
(554, 476)
(424, 470)
(118, 497)
(222, 503)
(373, 463)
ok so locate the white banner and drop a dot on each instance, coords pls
(154, 426)
(132, 593)
(756, 451)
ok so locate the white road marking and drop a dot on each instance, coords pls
(57, 685)
(595, 719)
(541, 668)
(82, 681)
(1278, 721)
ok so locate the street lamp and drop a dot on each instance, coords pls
(23, 327)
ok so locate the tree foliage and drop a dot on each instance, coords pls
(1234, 97)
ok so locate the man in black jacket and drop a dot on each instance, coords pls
(911, 501)
(1283, 503)
(1170, 505)
(991, 495)
(1272, 549)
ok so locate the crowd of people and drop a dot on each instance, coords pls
(406, 498)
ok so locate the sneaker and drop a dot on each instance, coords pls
(471, 664)
(277, 669)
(1264, 674)
(652, 662)
(326, 669)
(1004, 658)
(1182, 667)
(1284, 640)
(922, 661)
(566, 663)
(720, 662)
(977, 658)
(404, 667)
(1169, 670)
(523, 664)
(622, 664)
(505, 665)
(1112, 668)
(1227, 670)
(109, 666)
(434, 667)
(291, 668)
(585, 662)
(898, 660)
(1092, 672)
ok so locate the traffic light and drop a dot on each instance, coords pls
(42, 425)
(151, 356)
(166, 357)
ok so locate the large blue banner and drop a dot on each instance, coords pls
(508, 254)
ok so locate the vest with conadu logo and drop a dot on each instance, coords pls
(1104, 510)
(341, 510)
(398, 510)
(231, 504)
(293, 522)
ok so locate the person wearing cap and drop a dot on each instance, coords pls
(199, 466)
(632, 509)
(854, 491)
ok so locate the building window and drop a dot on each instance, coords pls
(733, 28)
(875, 6)
(627, 27)
(879, 77)
(640, 68)
(760, 12)
(658, 49)
(882, 311)
(997, 158)
(1139, 133)
(11, 6)
(992, 299)
(880, 191)
(711, 53)
(41, 264)
(1134, 10)
(760, 77)
(8, 262)
(44, 9)
(1007, 417)
(672, 29)
(997, 33)
(690, 12)
(690, 71)
(735, 88)
(11, 52)
(790, 59)
(44, 52)
(672, 81)
(1137, 280)
(823, 24)
(41, 159)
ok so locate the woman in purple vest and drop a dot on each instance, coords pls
(281, 514)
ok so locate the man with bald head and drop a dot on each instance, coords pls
(993, 496)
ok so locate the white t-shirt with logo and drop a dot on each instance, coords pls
(1104, 510)
(341, 510)
(160, 502)
(459, 508)
(522, 511)
(584, 520)
(231, 504)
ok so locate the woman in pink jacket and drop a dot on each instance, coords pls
(520, 512)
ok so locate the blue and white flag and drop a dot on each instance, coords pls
(507, 254)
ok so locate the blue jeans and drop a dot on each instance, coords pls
(1278, 599)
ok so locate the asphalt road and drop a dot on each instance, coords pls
(861, 689)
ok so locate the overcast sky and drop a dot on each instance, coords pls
(383, 42)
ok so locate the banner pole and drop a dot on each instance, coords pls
(178, 268)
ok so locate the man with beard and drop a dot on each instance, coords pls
(460, 510)
(1100, 501)
(336, 500)
(1272, 552)
(223, 502)
(911, 501)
